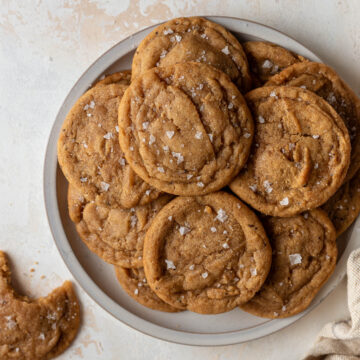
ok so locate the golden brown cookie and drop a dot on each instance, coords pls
(300, 154)
(133, 281)
(89, 152)
(185, 129)
(35, 329)
(113, 233)
(121, 78)
(325, 82)
(267, 59)
(304, 257)
(193, 39)
(344, 206)
(206, 254)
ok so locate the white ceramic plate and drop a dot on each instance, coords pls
(98, 278)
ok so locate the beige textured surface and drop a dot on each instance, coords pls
(46, 46)
(35, 329)
(304, 257)
(206, 254)
(300, 155)
(185, 129)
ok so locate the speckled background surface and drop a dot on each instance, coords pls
(44, 47)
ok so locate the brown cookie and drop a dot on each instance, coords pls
(206, 254)
(325, 82)
(133, 281)
(193, 39)
(89, 152)
(185, 129)
(120, 78)
(300, 154)
(304, 257)
(267, 59)
(35, 329)
(113, 233)
(344, 206)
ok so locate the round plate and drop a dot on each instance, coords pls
(98, 278)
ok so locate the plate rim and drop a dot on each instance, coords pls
(82, 278)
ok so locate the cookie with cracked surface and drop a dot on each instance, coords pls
(115, 234)
(193, 39)
(300, 155)
(89, 152)
(267, 59)
(304, 257)
(35, 329)
(133, 281)
(344, 206)
(185, 129)
(326, 83)
(206, 254)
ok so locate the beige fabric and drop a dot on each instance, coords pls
(341, 340)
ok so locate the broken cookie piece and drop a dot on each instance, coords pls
(35, 329)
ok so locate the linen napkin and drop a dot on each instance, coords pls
(341, 340)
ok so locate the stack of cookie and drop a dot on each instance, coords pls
(158, 160)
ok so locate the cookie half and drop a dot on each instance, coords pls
(300, 155)
(325, 82)
(304, 257)
(115, 234)
(185, 129)
(267, 59)
(344, 206)
(133, 281)
(88, 148)
(193, 39)
(206, 254)
(36, 329)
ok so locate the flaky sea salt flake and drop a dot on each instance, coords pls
(170, 265)
(284, 201)
(221, 215)
(170, 134)
(225, 50)
(295, 259)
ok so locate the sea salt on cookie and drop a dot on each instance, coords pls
(300, 155)
(88, 148)
(185, 129)
(36, 329)
(266, 59)
(344, 206)
(115, 234)
(324, 81)
(206, 254)
(193, 39)
(304, 257)
(133, 281)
